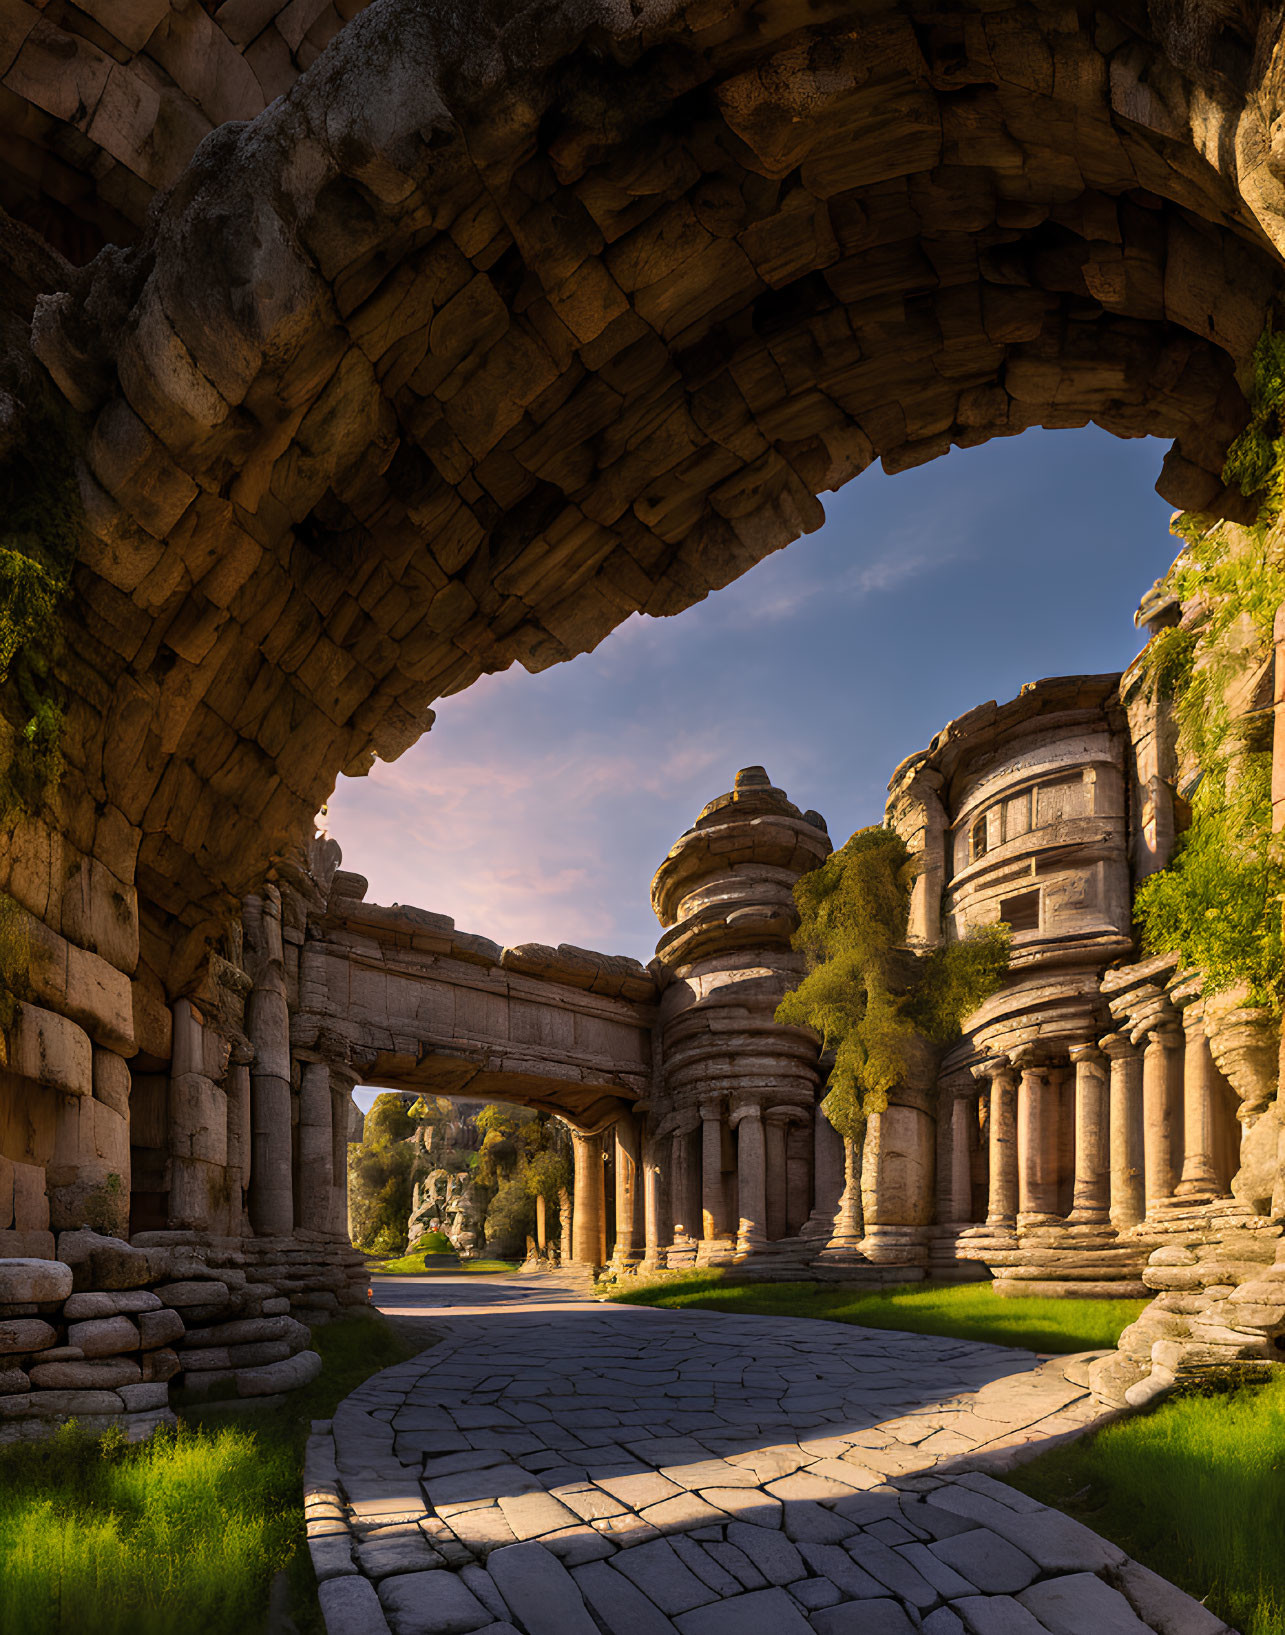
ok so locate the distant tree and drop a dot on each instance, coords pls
(379, 1178)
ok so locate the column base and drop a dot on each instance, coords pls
(895, 1245)
(1089, 1217)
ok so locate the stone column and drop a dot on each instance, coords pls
(1199, 1088)
(588, 1242)
(238, 1093)
(541, 1226)
(627, 1251)
(342, 1080)
(961, 1179)
(1091, 1198)
(1002, 1188)
(1158, 1113)
(316, 1156)
(1037, 1146)
(776, 1121)
(686, 1182)
(798, 1173)
(751, 1177)
(267, 1022)
(651, 1200)
(714, 1221)
(827, 1172)
(1128, 1201)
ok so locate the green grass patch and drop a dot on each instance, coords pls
(963, 1311)
(429, 1265)
(98, 1534)
(1194, 1489)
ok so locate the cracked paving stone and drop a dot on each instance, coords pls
(771, 1552)
(760, 1612)
(658, 1571)
(814, 1593)
(1080, 1601)
(619, 1604)
(989, 1562)
(865, 1618)
(684, 1512)
(434, 1603)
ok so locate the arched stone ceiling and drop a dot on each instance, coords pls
(510, 319)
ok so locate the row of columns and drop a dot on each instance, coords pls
(1145, 1121)
(732, 1174)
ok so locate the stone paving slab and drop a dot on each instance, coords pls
(563, 1467)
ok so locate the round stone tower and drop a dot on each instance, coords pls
(734, 1118)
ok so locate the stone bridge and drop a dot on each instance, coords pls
(425, 1008)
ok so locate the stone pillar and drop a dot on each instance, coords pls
(751, 1177)
(1128, 1201)
(267, 1022)
(1199, 1112)
(238, 1094)
(798, 1173)
(566, 1216)
(314, 1205)
(1002, 1187)
(1159, 1113)
(198, 1130)
(827, 1176)
(1037, 1146)
(342, 1081)
(588, 1239)
(961, 1179)
(541, 1226)
(627, 1250)
(1091, 1198)
(651, 1201)
(686, 1181)
(776, 1121)
(714, 1221)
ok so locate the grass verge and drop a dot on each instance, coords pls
(427, 1265)
(100, 1535)
(963, 1311)
(1194, 1489)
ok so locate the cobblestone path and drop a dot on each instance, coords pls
(562, 1467)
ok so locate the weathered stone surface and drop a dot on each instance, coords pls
(287, 1375)
(106, 1373)
(100, 1262)
(183, 1295)
(159, 1328)
(37, 1280)
(104, 1336)
(26, 1334)
(131, 1301)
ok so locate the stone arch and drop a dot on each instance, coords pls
(501, 325)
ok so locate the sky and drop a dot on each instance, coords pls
(538, 807)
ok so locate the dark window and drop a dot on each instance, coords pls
(977, 840)
(1022, 912)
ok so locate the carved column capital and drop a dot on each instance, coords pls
(994, 1067)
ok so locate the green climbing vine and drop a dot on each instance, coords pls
(40, 528)
(882, 1008)
(1219, 902)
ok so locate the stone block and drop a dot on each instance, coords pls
(30, 1198)
(161, 1364)
(193, 1292)
(69, 1404)
(245, 1330)
(26, 1334)
(104, 1336)
(144, 1396)
(350, 1604)
(53, 1051)
(27, 1245)
(33, 1280)
(101, 1262)
(289, 1375)
(198, 1118)
(103, 1304)
(104, 1373)
(111, 1080)
(157, 1328)
(13, 1382)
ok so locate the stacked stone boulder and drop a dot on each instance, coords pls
(105, 1332)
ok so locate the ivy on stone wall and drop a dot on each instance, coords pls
(1219, 902)
(41, 519)
(881, 1008)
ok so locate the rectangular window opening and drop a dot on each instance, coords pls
(1021, 913)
